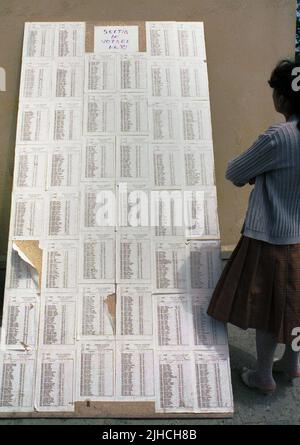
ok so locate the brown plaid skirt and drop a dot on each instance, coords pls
(259, 288)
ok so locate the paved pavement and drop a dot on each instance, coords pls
(283, 407)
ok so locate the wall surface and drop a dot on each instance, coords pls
(244, 40)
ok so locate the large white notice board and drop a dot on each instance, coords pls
(114, 246)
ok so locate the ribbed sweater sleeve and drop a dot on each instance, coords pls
(259, 158)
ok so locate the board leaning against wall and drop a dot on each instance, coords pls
(102, 304)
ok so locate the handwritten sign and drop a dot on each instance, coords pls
(116, 38)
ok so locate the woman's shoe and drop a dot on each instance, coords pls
(279, 369)
(265, 390)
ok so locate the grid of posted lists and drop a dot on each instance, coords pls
(114, 308)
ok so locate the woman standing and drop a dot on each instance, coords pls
(260, 284)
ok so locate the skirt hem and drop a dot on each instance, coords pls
(279, 339)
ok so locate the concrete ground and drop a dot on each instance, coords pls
(250, 407)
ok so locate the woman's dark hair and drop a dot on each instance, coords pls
(281, 80)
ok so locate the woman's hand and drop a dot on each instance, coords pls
(252, 181)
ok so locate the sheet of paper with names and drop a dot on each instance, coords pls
(126, 128)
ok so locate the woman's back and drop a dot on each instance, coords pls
(273, 213)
